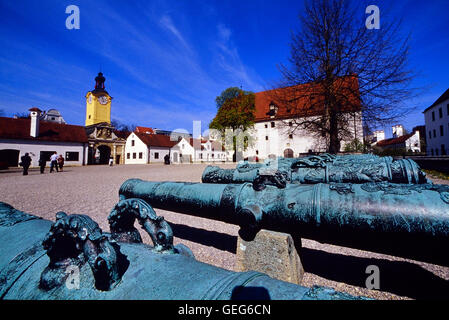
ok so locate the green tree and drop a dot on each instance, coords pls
(229, 93)
(236, 112)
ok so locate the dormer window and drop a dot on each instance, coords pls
(273, 110)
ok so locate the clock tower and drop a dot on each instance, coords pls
(98, 103)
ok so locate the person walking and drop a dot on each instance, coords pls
(42, 164)
(25, 163)
(61, 162)
(54, 162)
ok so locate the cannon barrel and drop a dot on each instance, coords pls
(403, 220)
(319, 169)
(41, 260)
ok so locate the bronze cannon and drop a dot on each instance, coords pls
(408, 220)
(73, 259)
(319, 169)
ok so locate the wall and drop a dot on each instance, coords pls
(301, 141)
(161, 151)
(139, 147)
(35, 147)
(434, 143)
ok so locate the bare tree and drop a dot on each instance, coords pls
(340, 69)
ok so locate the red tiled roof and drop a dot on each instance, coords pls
(305, 99)
(121, 134)
(393, 141)
(144, 130)
(198, 142)
(156, 140)
(11, 128)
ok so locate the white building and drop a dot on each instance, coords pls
(41, 139)
(436, 118)
(52, 115)
(409, 142)
(142, 148)
(208, 150)
(275, 133)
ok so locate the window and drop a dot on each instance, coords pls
(134, 155)
(266, 137)
(441, 131)
(290, 124)
(443, 150)
(436, 152)
(257, 152)
(440, 112)
(212, 155)
(290, 136)
(448, 109)
(431, 151)
(128, 155)
(433, 115)
(46, 155)
(72, 156)
(140, 155)
(132, 143)
(201, 156)
(434, 133)
(89, 116)
(430, 134)
(156, 155)
(266, 125)
(273, 124)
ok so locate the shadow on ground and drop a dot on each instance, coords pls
(397, 277)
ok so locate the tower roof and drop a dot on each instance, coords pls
(99, 84)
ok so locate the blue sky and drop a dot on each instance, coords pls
(166, 61)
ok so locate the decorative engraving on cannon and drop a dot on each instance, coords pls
(32, 267)
(319, 169)
(74, 240)
(410, 220)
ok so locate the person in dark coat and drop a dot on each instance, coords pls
(167, 159)
(61, 162)
(42, 164)
(25, 163)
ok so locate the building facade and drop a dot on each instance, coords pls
(275, 133)
(105, 142)
(41, 139)
(436, 119)
(142, 148)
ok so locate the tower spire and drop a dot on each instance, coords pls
(99, 82)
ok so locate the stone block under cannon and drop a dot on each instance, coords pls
(403, 220)
(319, 169)
(73, 259)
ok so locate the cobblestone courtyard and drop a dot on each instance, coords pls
(93, 190)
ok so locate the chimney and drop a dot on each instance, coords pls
(34, 127)
(379, 135)
(398, 131)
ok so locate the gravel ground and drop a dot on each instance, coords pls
(93, 190)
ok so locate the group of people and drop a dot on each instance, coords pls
(56, 162)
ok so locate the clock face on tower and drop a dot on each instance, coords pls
(103, 99)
